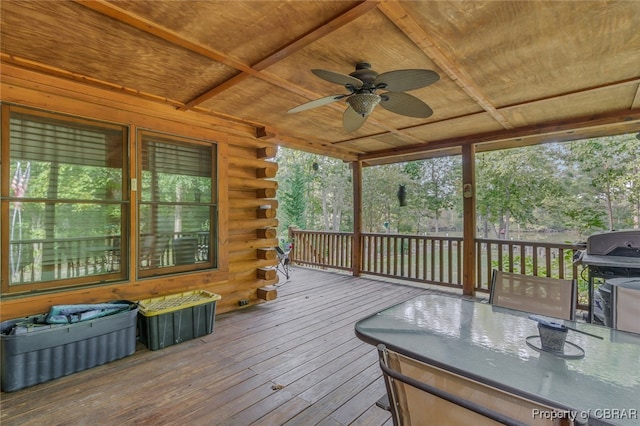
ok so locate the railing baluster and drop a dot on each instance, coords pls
(547, 252)
(395, 256)
(459, 245)
(510, 248)
(449, 262)
(479, 263)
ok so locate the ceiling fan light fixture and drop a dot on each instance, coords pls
(363, 103)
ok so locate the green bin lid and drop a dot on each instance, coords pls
(174, 302)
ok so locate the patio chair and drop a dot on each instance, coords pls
(284, 262)
(421, 394)
(626, 302)
(538, 295)
(154, 251)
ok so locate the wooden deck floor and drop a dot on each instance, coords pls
(294, 361)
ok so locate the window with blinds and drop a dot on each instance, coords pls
(66, 206)
(177, 208)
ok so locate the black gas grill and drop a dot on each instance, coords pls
(614, 254)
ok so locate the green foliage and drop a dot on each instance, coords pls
(582, 187)
(293, 198)
(438, 188)
(323, 199)
(512, 185)
(610, 167)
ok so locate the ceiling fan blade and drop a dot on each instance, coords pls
(351, 120)
(402, 80)
(336, 77)
(405, 104)
(317, 103)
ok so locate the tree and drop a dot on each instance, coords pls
(294, 203)
(332, 178)
(513, 184)
(325, 199)
(438, 186)
(583, 186)
(379, 197)
(609, 167)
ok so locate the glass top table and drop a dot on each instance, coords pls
(600, 380)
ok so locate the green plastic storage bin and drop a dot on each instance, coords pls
(169, 320)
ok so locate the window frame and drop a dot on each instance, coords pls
(121, 246)
(213, 261)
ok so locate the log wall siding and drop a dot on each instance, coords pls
(248, 239)
(245, 181)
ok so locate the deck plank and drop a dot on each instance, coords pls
(294, 360)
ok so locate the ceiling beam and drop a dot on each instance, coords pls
(595, 89)
(291, 48)
(436, 153)
(399, 16)
(45, 69)
(316, 148)
(590, 90)
(562, 130)
(113, 11)
(318, 33)
(119, 14)
(246, 70)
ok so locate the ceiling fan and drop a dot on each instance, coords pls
(362, 98)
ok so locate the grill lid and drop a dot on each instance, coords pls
(616, 249)
(615, 243)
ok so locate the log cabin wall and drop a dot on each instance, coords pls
(246, 190)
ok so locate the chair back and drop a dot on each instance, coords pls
(538, 295)
(626, 302)
(421, 394)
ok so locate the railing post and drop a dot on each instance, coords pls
(469, 215)
(291, 240)
(356, 252)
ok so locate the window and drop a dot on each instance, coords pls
(64, 203)
(177, 215)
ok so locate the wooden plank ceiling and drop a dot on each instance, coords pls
(511, 72)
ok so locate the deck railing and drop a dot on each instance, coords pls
(322, 249)
(66, 258)
(526, 258)
(435, 259)
(63, 258)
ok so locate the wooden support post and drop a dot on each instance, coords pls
(469, 218)
(292, 240)
(356, 249)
